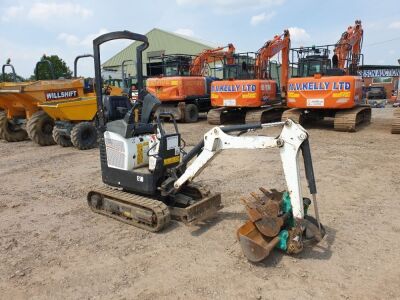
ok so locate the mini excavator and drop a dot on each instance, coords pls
(149, 180)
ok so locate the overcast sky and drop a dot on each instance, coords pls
(31, 28)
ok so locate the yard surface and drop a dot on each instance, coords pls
(52, 246)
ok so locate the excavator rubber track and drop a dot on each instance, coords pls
(145, 213)
(396, 121)
(264, 115)
(295, 114)
(223, 115)
(349, 120)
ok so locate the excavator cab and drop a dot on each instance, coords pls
(314, 64)
(170, 65)
(241, 68)
(311, 60)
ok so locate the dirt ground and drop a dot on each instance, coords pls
(52, 246)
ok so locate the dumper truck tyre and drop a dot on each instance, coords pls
(9, 131)
(61, 139)
(84, 136)
(40, 129)
(191, 113)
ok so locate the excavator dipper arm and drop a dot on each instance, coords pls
(289, 143)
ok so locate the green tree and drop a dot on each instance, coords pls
(60, 68)
(10, 78)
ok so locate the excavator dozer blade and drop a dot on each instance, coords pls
(254, 246)
(198, 212)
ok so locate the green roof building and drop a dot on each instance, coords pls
(161, 43)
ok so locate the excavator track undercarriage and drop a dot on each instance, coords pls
(220, 116)
(396, 121)
(348, 120)
(223, 115)
(151, 214)
(264, 114)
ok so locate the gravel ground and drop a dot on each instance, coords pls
(52, 246)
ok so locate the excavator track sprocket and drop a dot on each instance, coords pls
(145, 213)
(396, 121)
(349, 120)
(264, 115)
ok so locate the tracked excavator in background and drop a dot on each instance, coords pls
(184, 90)
(149, 180)
(321, 87)
(252, 95)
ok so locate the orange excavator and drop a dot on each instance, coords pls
(321, 87)
(184, 88)
(251, 93)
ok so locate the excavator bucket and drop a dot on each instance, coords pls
(267, 225)
(255, 246)
(264, 211)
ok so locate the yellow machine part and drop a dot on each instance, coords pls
(80, 109)
(23, 99)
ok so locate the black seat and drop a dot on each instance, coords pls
(120, 115)
(116, 107)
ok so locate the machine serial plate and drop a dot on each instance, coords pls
(230, 102)
(315, 102)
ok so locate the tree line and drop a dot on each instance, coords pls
(43, 72)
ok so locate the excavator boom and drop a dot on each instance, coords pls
(198, 65)
(350, 43)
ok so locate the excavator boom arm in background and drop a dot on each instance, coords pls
(350, 43)
(280, 43)
(209, 56)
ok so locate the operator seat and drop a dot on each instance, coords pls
(119, 114)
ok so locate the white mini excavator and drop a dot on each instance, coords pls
(149, 179)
